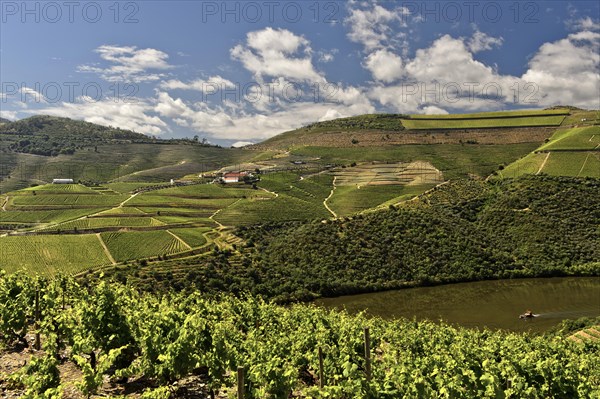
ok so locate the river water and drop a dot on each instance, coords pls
(495, 304)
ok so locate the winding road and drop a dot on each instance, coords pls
(330, 195)
(543, 164)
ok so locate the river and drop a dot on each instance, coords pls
(495, 304)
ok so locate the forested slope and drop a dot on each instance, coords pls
(464, 230)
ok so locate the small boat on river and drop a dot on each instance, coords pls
(527, 315)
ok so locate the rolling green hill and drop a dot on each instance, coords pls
(347, 206)
(569, 152)
(485, 123)
(582, 139)
(461, 231)
(40, 148)
(132, 162)
(125, 199)
(50, 136)
(393, 129)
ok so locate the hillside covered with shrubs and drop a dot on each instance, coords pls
(462, 231)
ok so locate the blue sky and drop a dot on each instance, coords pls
(237, 72)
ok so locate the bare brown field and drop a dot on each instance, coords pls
(377, 138)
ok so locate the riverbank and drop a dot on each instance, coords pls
(495, 303)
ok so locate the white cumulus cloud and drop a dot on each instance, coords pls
(567, 71)
(385, 66)
(210, 84)
(129, 64)
(277, 53)
(481, 41)
(371, 26)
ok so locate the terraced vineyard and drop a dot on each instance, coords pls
(296, 199)
(570, 152)
(576, 139)
(48, 216)
(157, 220)
(281, 208)
(61, 189)
(209, 191)
(375, 173)
(95, 223)
(154, 201)
(572, 164)
(453, 160)
(591, 334)
(130, 210)
(82, 200)
(124, 188)
(347, 200)
(141, 216)
(52, 254)
(193, 236)
(138, 245)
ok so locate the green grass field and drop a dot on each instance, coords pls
(313, 189)
(50, 216)
(347, 200)
(569, 152)
(582, 118)
(125, 188)
(192, 236)
(210, 191)
(558, 163)
(296, 200)
(60, 189)
(137, 245)
(162, 201)
(284, 207)
(130, 210)
(583, 138)
(94, 223)
(529, 164)
(91, 200)
(169, 220)
(578, 164)
(450, 123)
(51, 254)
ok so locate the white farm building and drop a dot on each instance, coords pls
(234, 177)
(62, 181)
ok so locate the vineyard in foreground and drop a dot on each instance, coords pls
(145, 343)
